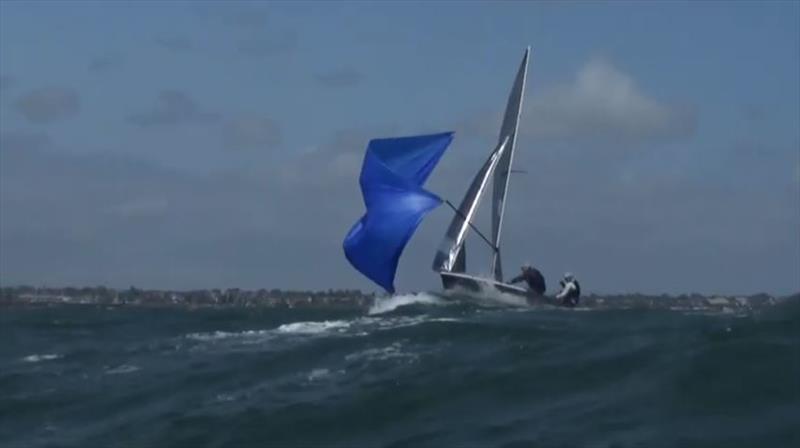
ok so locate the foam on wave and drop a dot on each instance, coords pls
(40, 358)
(387, 304)
(314, 327)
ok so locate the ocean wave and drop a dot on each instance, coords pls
(391, 351)
(448, 376)
(121, 370)
(40, 358)
(387, 304)
(256, 337)
(322, 374)
(312, 327)
(414, 321)
(218, 335)
(282, 337)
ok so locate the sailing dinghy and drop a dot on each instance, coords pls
(392, 178)
(450, 260)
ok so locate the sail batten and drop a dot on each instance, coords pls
(449, 257)
(508, 131)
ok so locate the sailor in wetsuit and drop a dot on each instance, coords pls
(532, 277)
(570, 293)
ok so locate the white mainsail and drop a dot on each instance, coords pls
(449, 257)
(508, 132)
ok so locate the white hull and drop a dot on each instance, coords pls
(489, 291)
(452, 280)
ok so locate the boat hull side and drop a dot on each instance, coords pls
(454, 280)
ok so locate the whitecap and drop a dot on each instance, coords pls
(357, 327)
(218, 335)
(318, 374)
(314, 327)
(323, 374)
(256, 337)
(43, 357)
(366, 324)
(121, 370)
(446, 319)
(223, 398)
(392, 351)
(387, 304)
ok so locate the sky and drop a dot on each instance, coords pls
(199, 144)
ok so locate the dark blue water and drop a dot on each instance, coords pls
(421, 375)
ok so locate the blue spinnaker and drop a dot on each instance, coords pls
(392, 176)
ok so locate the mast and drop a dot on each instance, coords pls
(501, 177)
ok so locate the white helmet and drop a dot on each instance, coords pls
(569, 277)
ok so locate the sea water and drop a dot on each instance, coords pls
(413, 370)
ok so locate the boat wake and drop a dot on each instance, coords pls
(285, 335)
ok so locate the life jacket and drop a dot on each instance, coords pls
(573, 298)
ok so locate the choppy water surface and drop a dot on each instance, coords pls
(424, 374)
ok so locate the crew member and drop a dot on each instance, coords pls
(532, 277)
(570, 293)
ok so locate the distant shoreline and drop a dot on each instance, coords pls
(340, 298)
(233, 297)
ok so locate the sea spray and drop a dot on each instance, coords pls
(386, 304)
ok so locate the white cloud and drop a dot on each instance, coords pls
(601, 103)
(604, 102)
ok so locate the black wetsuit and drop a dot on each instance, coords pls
(533, 278)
